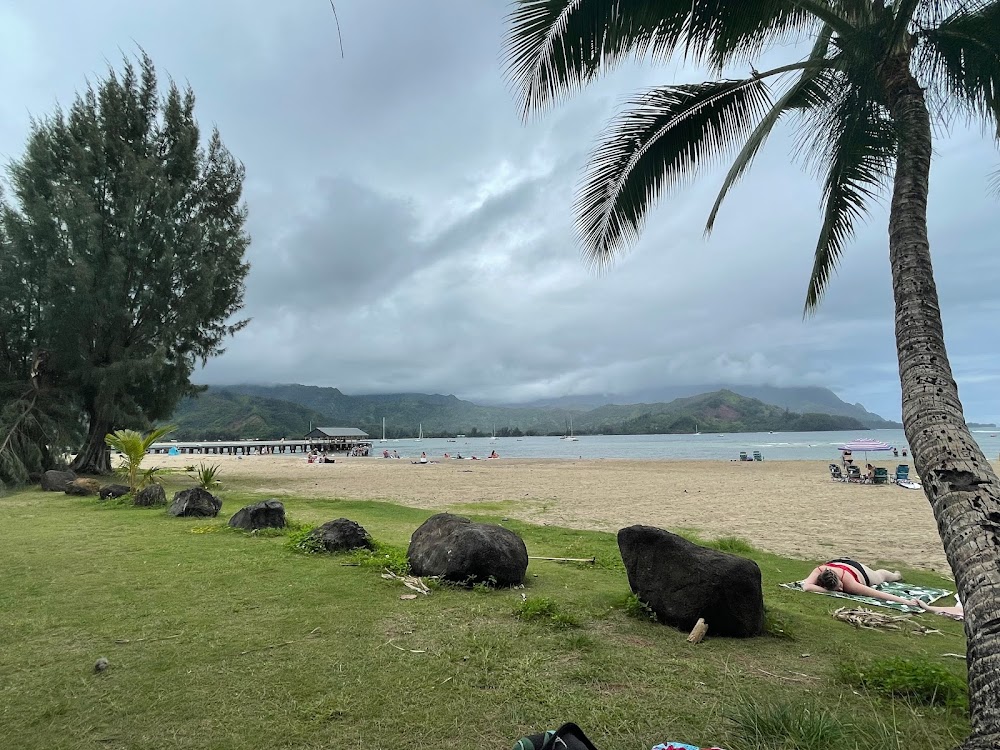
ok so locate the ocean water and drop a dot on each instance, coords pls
(805, 446)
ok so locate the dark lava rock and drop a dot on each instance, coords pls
(195, 502)
(681, 581)
(341, 535)
(150, 496)
(114, 491)
(462, 551)
(57, 481)
(269, 514)
(83, 487)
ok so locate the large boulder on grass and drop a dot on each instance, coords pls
(196, 502)
(57, 481)
(269, 514)
(342, 535)
(681, 582)
(83, 487)
(462, 551)
(150, 496)
(114, 491)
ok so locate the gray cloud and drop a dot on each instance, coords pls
(412, 233)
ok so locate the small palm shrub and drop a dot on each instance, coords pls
(207, 476)
(132, 446)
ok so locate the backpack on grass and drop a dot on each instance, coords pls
(567, 737)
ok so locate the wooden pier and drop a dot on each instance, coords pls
(261, 447)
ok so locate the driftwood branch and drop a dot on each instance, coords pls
(121, 641)
(312, 633)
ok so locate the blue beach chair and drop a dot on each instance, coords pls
(903, 472)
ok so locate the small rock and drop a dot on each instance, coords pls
(57, 481)
(341, 535)
(150, 496)
(268, 514)
(83, 487)
(100, 665)
(114, 491)
(195, 502)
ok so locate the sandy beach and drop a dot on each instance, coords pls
(787, 507)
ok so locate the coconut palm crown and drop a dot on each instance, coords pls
(863, 97)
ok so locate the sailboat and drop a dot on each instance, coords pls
(494, 431)
(696, 429)
(570, 436)
(421, 435)
(383, 440)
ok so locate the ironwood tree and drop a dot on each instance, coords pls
(122, 250)
(864, 98)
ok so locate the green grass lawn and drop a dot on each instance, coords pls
(222, 640)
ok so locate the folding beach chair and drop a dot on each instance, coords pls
(836, 474)
(854, 474)
(881, 475)
(743, 456)
(757, 456)
(903, 472)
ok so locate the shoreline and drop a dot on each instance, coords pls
(788, 507)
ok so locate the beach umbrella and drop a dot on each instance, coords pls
(864, 445)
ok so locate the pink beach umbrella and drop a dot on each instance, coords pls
(864, 445)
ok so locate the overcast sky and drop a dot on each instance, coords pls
(411, 233)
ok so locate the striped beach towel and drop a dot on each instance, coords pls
(899, 588)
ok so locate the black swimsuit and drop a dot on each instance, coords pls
(856, 565)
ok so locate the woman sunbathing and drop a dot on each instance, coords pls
(851, 577)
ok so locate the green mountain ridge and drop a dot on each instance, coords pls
(799, 399)
(268, 412)
(219, 414)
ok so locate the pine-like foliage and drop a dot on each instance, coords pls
(121, 253)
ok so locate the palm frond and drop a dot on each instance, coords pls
(666, 134)
(962, 54)
(554, 46)
(557, 45)
(858, 147)
(808, 91)
(720, 32)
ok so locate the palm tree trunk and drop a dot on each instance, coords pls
(94, 457)
(959, 482)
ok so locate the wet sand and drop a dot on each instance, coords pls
(788, 507)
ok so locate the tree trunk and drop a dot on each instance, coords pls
(959, 482)
(94, 457)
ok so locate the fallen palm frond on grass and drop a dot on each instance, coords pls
(866, 619)
(411, 582)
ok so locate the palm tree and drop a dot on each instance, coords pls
(133, 446)
(864, 96)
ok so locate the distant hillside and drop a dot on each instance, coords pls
(223, 415)
(286, 410)
(721, 411)
(802, 400)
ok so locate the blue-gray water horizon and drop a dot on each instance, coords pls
(778, 446)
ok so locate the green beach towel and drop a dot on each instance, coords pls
(899, 588)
